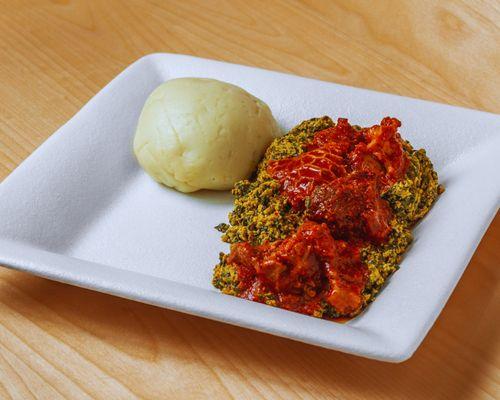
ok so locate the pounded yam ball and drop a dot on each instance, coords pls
(202, 134)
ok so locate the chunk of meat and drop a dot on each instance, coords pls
(301, 271)
(299, 175)
(340, 138)
(352, 208)
(381, 152)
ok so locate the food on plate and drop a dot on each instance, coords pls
(198, 133)
(326, 217)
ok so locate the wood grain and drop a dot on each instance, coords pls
(58, 341)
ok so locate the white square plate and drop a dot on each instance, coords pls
(80, 210)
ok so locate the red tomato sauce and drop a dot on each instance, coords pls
(338, 182)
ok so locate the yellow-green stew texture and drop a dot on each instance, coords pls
(326, 217)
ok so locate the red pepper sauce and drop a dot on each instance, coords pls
(337, 182)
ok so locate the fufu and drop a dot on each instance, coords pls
(196, 133)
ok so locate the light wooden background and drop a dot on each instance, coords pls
(58, 341)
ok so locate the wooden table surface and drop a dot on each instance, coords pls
(59, 341)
